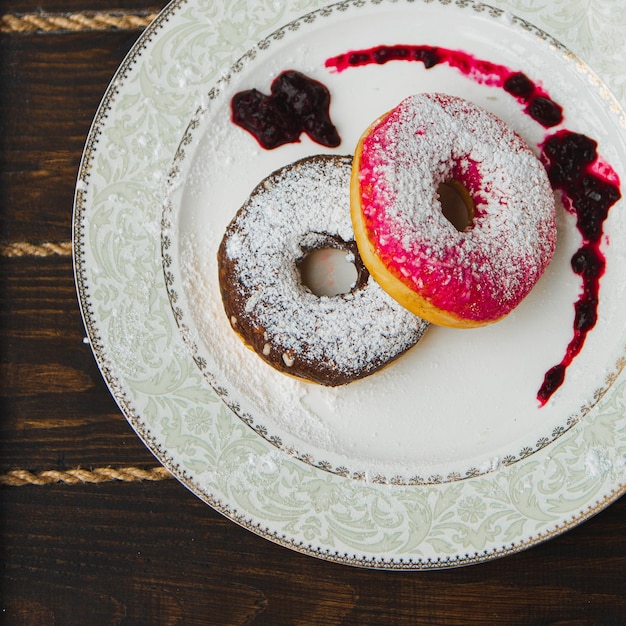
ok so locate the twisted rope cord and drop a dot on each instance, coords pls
(54, 22)
(19, 478)
(24, 248)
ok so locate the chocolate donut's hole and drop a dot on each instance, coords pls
(328, 271)
(456, 204)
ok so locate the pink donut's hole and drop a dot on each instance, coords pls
(328, 271)
(457, 205)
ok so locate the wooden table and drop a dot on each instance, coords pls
(94, 531)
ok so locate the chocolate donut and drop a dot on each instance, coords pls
(330, 340)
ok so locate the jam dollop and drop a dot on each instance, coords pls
(574, 168)
(296, 104)
(536, 100)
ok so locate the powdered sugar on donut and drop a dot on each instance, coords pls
(343, 337)
(481, 273)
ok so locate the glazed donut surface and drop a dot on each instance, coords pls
(331, 340)
(450, 277)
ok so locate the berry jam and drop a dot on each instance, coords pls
(296, 104)
(589, 186)
(536, 101)
(571, 161)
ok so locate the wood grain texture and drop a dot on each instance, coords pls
(151, 553)
(154, 554)
(51, 87)
(57, 411)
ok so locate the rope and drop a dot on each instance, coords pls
(55, 22)
(19, 478)
(23, 248)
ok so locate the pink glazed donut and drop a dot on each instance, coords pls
(449, 275)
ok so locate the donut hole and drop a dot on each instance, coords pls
(328, 271)
(457, 205)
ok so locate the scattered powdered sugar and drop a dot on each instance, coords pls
(597, 462)
(486, 270)
(293, 211)
(268, 393)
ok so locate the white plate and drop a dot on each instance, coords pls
(444, 457)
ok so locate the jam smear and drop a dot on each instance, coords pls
(589, 186)
(296, 104)
(571, 160)
(536, 100)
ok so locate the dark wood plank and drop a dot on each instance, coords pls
(51, 87)
(52, 392)
(57, 411)
(152, 554)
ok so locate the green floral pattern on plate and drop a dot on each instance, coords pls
(133, 332)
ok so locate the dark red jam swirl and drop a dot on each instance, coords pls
(537, 103)
(297, 104)
(572, 161)
(589, 187)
